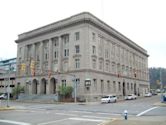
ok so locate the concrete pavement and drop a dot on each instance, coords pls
(143, 120)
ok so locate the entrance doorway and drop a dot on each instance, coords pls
(43, 86)
(124, 89)
(34, 86)
(53, 86)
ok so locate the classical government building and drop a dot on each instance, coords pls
(84, 52)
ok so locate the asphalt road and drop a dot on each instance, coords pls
(74, 114)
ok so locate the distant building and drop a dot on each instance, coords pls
(83, 49)
(7, 70)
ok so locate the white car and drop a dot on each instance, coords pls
(130, 97)
(108, 99)
(3, 96)
(148, 94)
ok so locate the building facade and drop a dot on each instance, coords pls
(7, 71)
(84, 52)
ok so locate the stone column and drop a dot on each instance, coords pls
(60, 56)
(33, 52)
(41, 57)
(50, 55)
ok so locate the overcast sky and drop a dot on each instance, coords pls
(142, 21)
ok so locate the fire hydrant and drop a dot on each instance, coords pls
(125, 114)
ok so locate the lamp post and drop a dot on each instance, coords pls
(8, 86)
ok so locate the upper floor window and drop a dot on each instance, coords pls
(77, 49)
(94, 63)
(56, 54)
(93, 36)
(77, 36)
(106, 53)
(65, 40)
(55, 41)
(93, 49)
(66, 52)
(100, 64)
(77, 63)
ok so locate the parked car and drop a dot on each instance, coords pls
(130, 97)
(3, 96)
(108, 99)
(148, 94)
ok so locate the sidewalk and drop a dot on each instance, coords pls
(144, 120)
(4, 108)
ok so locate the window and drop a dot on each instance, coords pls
(94, 63)
(114, 86)
(100, 64)
(64, 83)
(108, 86)
(119, 86)
(77, 63)
(93, 36)
(107, 66)
(95, 84)
(46, 56)
(93, 50)
(106, 54)
(77, 81)
(77, 48)
(66, 52)
(102, 86)
(65, 66)
(56, 54)
(131, 86)
(77, 36)
(55, 41)
(127, 86)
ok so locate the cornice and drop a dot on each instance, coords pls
(82, 18)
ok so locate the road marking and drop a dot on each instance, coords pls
(146, 111)
(108, 114)
(84, 119)
(66, 114)
(82, 112)
(14, 122)
(46, 123)
(88, 116)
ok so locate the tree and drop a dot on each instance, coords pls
(17, 90)
(155, 75)
(65, 91)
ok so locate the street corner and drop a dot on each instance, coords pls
(3, 108)
(160, 104)
(109, 121)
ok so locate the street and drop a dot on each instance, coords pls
(73, 114)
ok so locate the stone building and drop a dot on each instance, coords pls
(84, 51)
(7, 71)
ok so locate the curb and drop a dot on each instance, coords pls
(6, 108)
(161, 104)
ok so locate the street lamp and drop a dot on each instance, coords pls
(8, 86)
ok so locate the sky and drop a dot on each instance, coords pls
(142, 21)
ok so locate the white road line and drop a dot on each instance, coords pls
(108, 114)
(88, 116)
(82, 111)
(84, 119)
(46, 123)
(66, 114)
(14, 122)
(146, 111)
